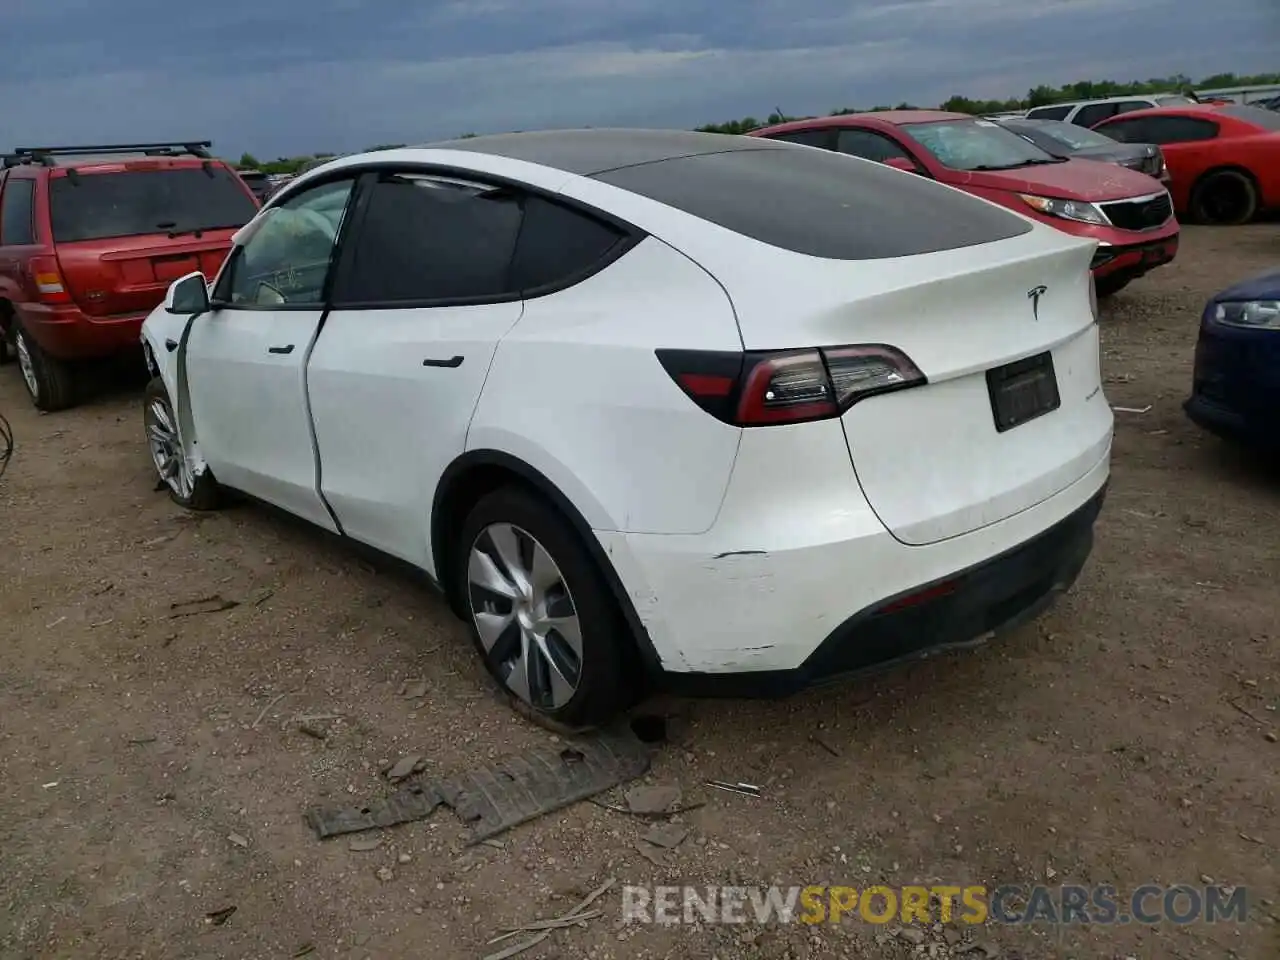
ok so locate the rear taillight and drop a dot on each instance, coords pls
(758, 389)
(48, 281)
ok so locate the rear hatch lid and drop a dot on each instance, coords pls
(1011, 411)
(124, 231)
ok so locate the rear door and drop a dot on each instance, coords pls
(245, 360)
(422, 297)
(125, 231)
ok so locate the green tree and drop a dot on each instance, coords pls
(248, 162)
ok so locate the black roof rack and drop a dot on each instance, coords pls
(45, 155)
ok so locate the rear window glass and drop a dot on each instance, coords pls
(1267, 119)
(93, 206)
(820, 203)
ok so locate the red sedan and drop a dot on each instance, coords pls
(1225, 161)
(1128, 213)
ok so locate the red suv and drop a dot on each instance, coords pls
(91, 237)
(1130, 214)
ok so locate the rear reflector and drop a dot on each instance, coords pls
(788, 386)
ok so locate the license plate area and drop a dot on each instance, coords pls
(1023, 390)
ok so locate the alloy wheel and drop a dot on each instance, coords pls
(525, 616)
(25, 363)
(166, 448)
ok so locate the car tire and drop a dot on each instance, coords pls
(50, 382)
(1110, 286)
(572, 686)
(1226, 198)
(199, 492)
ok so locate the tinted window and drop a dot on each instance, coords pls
(975, 145)
(1094, 113)
(15, 213)
(431, 238)
(869, 146)
(92, 206)
(287, 256)
(1128, 106)
(1267, 119)
(1127, 131)
(1177, 129)
(809, 138)
(557, 244)
(1050, 113)
(820, 203)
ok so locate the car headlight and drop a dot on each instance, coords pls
(1077, 210)
(1253, 314)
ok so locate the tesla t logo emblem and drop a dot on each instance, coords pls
(1034, 295)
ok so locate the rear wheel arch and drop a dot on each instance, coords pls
(479, 472)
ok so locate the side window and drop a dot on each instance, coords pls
(1128, 106)
(809, 138)
(1093, 113)
(558, 244)
(16, 228)
(287, 256)
(1127, 131)
(869, 146)
(1165, 130)
(426, 238)
(1049, 113)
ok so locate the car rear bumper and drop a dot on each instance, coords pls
(836, 593)
(962, 610)
(66, 332)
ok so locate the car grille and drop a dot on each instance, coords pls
(1139, 214)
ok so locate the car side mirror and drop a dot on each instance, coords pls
(901, 163)
(187, 295)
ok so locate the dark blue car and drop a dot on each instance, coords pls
(1235, 392)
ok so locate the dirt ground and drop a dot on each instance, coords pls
(1121, 739)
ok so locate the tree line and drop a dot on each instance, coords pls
(1038, 96)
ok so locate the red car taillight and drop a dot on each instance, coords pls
(47, 280)
(759, 389)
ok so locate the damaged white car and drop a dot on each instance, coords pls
(724, 413)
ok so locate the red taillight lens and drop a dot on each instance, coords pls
(788, 386)
(47, 280)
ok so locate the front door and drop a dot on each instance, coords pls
(419, 304)
(246, 359)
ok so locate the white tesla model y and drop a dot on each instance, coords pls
(723, 412)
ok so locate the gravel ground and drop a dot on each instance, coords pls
(1126, 737)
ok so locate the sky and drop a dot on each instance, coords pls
(290, 77)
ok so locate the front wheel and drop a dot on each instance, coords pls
(195, 492)
(540, 612)
(1227, 198)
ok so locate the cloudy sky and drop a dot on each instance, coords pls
(283, 77)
